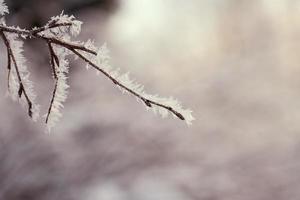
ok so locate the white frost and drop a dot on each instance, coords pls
(3, 8)
(17, 49)
(159, 105)
(102, 60)
(64, 32)
(61, 88)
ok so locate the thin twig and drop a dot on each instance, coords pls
(50, 26)
(22, 90)
(8, 68)
(66, 44)
(37, 33)
(52, 100)
(148, 102)
(53, 61)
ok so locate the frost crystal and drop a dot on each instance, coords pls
(61, 86)
(74, 28)
(102, 60)
(3, 8)
(17, 50)
(60, 93)
(58, 34)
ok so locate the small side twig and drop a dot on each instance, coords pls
(50, 26)
(53, 61)
(148, 102)
(8, 68)
(11, 56)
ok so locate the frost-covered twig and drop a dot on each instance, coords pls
(53, 61)
(148, 102)
(57, 33)
(22, 76)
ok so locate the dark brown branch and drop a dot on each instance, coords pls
(37, 33)
(8, 68)
(53, 61)
(33, 32)
(148, 102)
(50, 26)
(21, 86)
(67, 45)
(52, 100)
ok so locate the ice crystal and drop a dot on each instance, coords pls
(3, 8)
(59, 33)
(102, 60)
(60, 94)
(17, 51)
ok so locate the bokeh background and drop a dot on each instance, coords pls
(235, 63)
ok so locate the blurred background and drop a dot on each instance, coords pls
(235, 63)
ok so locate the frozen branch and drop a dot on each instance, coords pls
(57, 34)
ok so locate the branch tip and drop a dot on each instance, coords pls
(180, 116)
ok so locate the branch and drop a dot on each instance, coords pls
(50, 26)
(53, 60)
(8, 68)
(51, 38)
(148, 102)
(36, 33)
(11, 56)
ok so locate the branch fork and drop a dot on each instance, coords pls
(54, 34)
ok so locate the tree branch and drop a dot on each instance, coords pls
(73, 47)
(22, 90)
(53, 60)
(148, 102)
